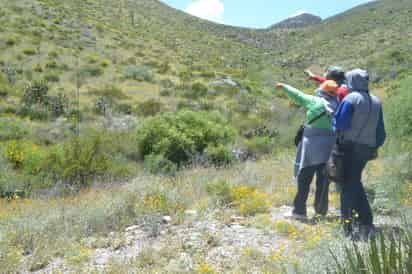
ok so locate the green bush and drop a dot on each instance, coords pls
(139, 73)
(110, 92)
(393, 187)
(165, 92)
(150, 107)
(12, 129)
(38, 68)
(101, 106)
(197, 90)
(29, 51)
(34, 112)
(91, 71)
(35, 93)
(125, 108)
(222, 190)
(5, 89)
(11, 183)
(398, 111)
(51, 64)
(157, 164)
(58, 105)
(51, 77)
(179, 136)
(78, 161)
(219, 155)
(37, 104)
(11, 41)
(260, 145)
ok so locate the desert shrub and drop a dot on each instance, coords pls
(124, 108)
(150, 107)
(27, 161)
(246, 102)
(58, 104)
(51, 77)
(92, 59)
(398, 112)
(29, 51)
(246, 199)
(285, 228)
(164, 67)
(139, 73)
(34, 112)
(197, 90)
(185, 75)
(91, 71)
(11, 41)
(260, 145)
(157, 164)
(11, 74)
(35, 93)
(208, 74)
(222, 190)
(393, 187)
(53, 54)
(167, 83)
(15, 153)
(101, 106)
(5, 88)
(166, 92)
(105, 63)
(51, 64)
(38, 68)
(110, 92)
(219, 155)
(12, 129)
(162, 200)
(179, 136)
(11, 183)
(37, 104)
(78, 161)
(250, 201)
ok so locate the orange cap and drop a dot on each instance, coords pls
(329, 86)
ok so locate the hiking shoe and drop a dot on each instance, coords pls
(296, 217)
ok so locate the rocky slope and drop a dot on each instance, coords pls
(299, 21)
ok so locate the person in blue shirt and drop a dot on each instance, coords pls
(360, 128)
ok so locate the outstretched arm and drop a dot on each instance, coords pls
(315, 77)
(296, 95)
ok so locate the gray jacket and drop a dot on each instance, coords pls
(359, 118)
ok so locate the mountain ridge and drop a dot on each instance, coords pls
(299, 21)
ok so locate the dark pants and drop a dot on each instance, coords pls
(305, 178)
(353, 196)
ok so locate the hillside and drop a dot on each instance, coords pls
(135, 138)
(299, 21)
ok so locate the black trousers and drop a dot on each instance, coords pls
(305, 178)
(353, 196)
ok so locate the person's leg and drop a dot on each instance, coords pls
(348, 194)
(364, 209)
(353, 194)
(322, 191)
(305, 177)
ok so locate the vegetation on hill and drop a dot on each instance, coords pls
(94, 93)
